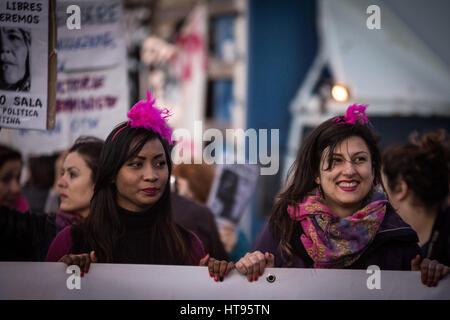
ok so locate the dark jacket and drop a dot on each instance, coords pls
(25, 236)
(200, 220)
(438, 247)
(393, 247)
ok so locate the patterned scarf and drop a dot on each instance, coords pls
(334, 242)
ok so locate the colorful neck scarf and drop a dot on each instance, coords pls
(334, 242)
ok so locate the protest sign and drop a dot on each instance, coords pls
(24, 63)
(91, 86)
(231, 190)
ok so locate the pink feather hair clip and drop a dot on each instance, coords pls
(354, 113)
(145, 115)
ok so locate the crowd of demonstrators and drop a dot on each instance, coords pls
(27, 236)
(130, 215)
(333, 212)
(116, 204)
(416, 178)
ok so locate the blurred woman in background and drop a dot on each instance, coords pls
(10, 171)
(416, 178)
(27, 236)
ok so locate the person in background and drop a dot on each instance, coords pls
(333, 212)
(10, 170)
(41, 175)
(189, 197)
(130, 219)
(27, 236)
(52, 201)
(416, 179)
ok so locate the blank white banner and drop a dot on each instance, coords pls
(40, 280)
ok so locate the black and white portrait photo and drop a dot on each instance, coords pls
(15, 44)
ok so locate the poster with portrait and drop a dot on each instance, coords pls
(91, 97)
(231, 190)
(24, 32)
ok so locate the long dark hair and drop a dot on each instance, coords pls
(168, 240)
(302, 174)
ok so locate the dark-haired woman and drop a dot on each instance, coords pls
(27, 236)
(416, 178)
(130, 218)
(333, 213)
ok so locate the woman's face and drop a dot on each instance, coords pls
(13, 55)
(75, 185)
(10, 182)
(350, 177)
(141, 181)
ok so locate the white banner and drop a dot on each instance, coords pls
(23, 64)
(40, 280)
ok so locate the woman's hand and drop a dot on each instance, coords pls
(81, 260)
(217, 269)
(431, 270)
(253, 264)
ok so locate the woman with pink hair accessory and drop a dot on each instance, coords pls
(130, 218)
(333, 212)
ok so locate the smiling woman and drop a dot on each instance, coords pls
(333, 213)
(350, 177)
(14, 59)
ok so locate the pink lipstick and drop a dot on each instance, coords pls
(348, 185)
(150, 191)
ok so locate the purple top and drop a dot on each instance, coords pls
(62, 245)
